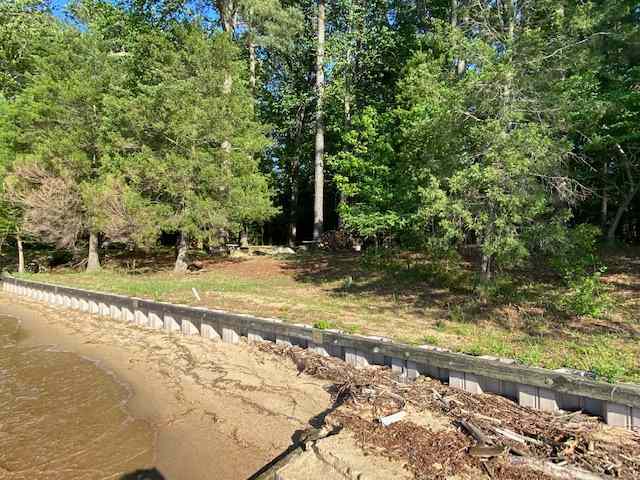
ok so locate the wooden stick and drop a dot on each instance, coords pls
(516, 437)
(566, 472)
(475, 432)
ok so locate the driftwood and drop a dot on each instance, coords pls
(482, 451)
(475, 432)
(516, 437)
(547, 437)
(299, 445)
(559, 472)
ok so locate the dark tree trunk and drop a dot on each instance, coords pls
(611, 233)
(349, 81)
(604, 206)
(93, 261)
(182, 248)
(347, 120)
(294, 171)
(293, 217)
(227, 9)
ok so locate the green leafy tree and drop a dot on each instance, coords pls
(262, 26)
(64, 128)
(10, 213)
(467, 154)
(198, 140)
(26, 27)
(602, 104)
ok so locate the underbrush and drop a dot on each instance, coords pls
(411, 268)
(587, 295)
(581, 268)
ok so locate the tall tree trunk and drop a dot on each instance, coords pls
(20, 254)
(511, 23)
(604, 206)
(293, 200)
(349, 76)
(244, 232)
(461, 64)
(454, 13)
(611, 233)
(227, 10)
(252, 66)
(318, 200)
(347, 120)
(294, 170)
(93, 261)
(182, 248)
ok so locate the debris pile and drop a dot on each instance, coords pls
(492, 433)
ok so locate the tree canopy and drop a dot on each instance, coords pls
(433, 125)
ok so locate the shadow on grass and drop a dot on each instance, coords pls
(139, 262)
(520, 300)
(416, 284)
(428, 291)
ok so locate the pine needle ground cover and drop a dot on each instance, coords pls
(407, 297)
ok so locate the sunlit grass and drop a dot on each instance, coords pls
(392, 309)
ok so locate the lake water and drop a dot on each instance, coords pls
(62, 416)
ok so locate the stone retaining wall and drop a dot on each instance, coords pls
(548, 390)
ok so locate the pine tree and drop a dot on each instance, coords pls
(184, 119)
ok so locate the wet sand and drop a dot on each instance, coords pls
(87, 397)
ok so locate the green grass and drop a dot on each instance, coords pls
(415, 304)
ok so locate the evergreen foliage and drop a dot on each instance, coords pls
(448, 124)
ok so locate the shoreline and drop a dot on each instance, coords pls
(63, 415)
(223, 410)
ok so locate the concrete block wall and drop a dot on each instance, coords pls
(406, 370)
(536, 388)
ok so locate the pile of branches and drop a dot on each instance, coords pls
(493, 433)
(336, 240)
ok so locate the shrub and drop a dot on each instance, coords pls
(324, 325)
(575, 255)
(380, 258)
(431, 340)
(576, 259)
(501, 289)
(587, 295)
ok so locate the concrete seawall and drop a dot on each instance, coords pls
(537, 388)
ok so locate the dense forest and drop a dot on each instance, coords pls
(507, 125)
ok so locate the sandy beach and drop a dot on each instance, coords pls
(126, 398)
